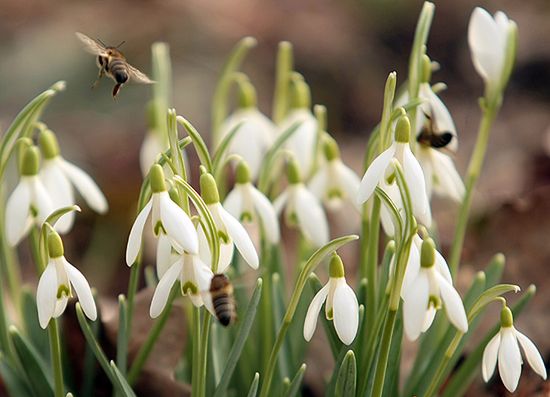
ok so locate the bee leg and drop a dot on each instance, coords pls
(99, 76)
(116, 89)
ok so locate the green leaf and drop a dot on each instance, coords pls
(219, 155)
(35, 368)
(198, 142)
(13, 382)
(254, 386)
(278, 312)
(121, 381)
(122, 337)
(38, 338)
(294, 386)
(347, 376)
(466, 372)
(242, 335)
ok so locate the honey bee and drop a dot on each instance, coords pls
(112, 63)
(431, 136)
(221, 292)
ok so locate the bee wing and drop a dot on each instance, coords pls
(138, 76)
(91, 45)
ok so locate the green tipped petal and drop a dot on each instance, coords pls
(506, 317)
(331, 149)
(427, 253)
(242, 173)
(156, 179)
(247, 94)
(30, 161)
(49, 144)
(403, 130)
(209, 189)
(55, 245)
(426, 69)
(336, 267)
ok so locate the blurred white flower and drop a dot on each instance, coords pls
(248, 204)
(150, 150)
(54, 286)
(488, 38)
(302, 143)
(414, 177)
(334, 183)
(426, 286)
(440, 173)
(29, 204)
(504, 347)
(60, 176)
(302, 209)
(341, 305)
(230, 231)
(194, 277)
(167, 218)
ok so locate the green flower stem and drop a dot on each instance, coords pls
(8, 262)
(265, 318)
(195, 368)
(5, 344)
(177, 155)
(206, 322)
(55, 352)
(282, 81)
(132, 289)
(152, 337)
(389, 93)
(372, 264)
(220, 102)
(474, 170)
(309, 267)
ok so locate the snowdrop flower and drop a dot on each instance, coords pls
(334, 182)
(341, 305)
(248, 204)
(492, 43)
(152, 146)
(255, 135)
(59, 177)
(29, 203)
(54, 286)
(414, 177)
(167, 219)
(504, 348)
(302, 209)
(426, 286)
(302, 143)
(194, 276)
(440, 173)
(230, 231)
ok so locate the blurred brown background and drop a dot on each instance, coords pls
(345, 49)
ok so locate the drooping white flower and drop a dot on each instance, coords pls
(167, 219)
(302, 208)
(303, 141)
(341, 305)
(504, 348)
(194, 276)
(248, 204)
(334, 183)
(489, 38)
(150, 150)
(230, 231)
(414, 177)
(60, 176)
(440, 173)
(253, 138)
(29, 203)
(54, 287)
(426, 286)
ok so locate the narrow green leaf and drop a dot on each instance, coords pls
(90, 367)
(198, 142)
(278, 312)
(347, 376)
(254, 386)
(466, 372)
(489, 296)
(36, 370)
(38, 338)
(219, 154)
(242, 335)
(121, 381)
(122, 338)
(13, 382)
(294, 386)
(493, 271)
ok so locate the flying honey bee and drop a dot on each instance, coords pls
(432, 136)
(221, 292)
(112, 63)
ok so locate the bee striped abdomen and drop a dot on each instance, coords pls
(118, 70)
(221, 292)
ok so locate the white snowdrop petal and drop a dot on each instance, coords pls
(415, 304)
(60, 191)
(177, 224)
(302, 142)
(485, 44)
(346, 313)
(349, 182)
(267, 215)
(134, 240)
(204, 249)
(160, 296)
(226, 256)
(412, 269)
(280, 202)
(442, 267)
(374, 173)
(149, 152)
(428, 318)
(91, 193)
(313, 310)
(60, 306)
(490, 354)
(417, 187)
(311, 217)
(453, 304)
(532, 354)
(41, 200)
(318, 183)
(240, 237)
(233, 203)
(164, 255)
(17, 212)
(46, 295)
(509, 359)
(449, 182)
(83, 290)
(441, 115)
